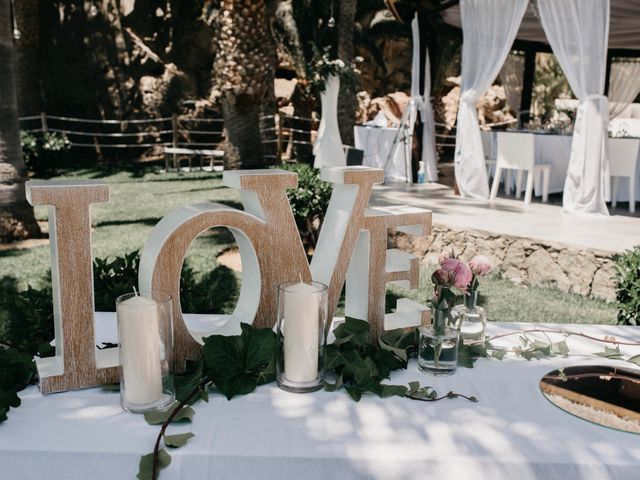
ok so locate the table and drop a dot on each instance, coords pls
(376, 142)
(512, 433)
(555, 150)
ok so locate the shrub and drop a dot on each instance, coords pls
(43, 152)
(628, 286)
(309, 202)
(26, 317)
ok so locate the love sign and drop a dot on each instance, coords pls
(351, 252)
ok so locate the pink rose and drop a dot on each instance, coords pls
(480, 265)
(457, 273)
(444, 255)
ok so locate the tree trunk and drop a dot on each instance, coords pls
(244, 71)
(347, 97)
(27, 57)
(16, 215)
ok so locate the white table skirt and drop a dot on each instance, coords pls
(512, 433)
(376, 142)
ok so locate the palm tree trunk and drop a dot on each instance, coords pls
(16, 215)
(27, 57)
(347, 96)
(244, 71)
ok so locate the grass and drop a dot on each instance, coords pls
(140, 197)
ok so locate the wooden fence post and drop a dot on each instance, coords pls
(43, 122)
(174, 127)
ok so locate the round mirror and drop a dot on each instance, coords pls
(601, 394)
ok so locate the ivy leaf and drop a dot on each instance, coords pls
(111, 387)
(175, 441)
(357, 330)
(498, 354)
(338, 357)
(635, 359)
(354, 393)
(393, 391)
(401, 353)
(560, 348)
(610, 352)
(17, 370)
(158, 417)
(332, 387)
(400, 338)
(238, 364)
(145, 471)
(413, 388)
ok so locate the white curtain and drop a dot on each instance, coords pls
(511, 76)
(423, 103)
(624, 85)
(578, 32)
(488, 30)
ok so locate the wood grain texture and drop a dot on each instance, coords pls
(266, 233)
(74, 365)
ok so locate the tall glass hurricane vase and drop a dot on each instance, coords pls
(328, 148)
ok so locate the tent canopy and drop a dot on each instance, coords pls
(624, 25)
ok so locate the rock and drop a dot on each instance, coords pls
(543, 271)
(513, 263)
(579, 268)
(604, 283)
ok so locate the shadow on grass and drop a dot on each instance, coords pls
(144, 221)
(15, 252)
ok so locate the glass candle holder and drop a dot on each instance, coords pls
(145, 333)
(302, 336)
(438, 346)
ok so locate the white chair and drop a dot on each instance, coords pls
(623, 157)
(516, 151)
(489, 154)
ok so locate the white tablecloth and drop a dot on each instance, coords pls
(376, 142)
(512, 433)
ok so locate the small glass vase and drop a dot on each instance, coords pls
(470, 318)
(145, 338)
(438, 346)
(302, 336)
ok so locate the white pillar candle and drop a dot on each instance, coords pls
(301, 325)
(140, 350)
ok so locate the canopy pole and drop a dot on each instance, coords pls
(527, 85)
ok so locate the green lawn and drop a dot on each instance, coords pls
(141, 197)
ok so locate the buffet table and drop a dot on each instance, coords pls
(513, 432)
(376, 142)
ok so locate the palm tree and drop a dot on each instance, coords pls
(244, 71)
(347, 97)
(16, 215)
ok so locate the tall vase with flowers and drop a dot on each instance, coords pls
(438, 345)
(470, 317)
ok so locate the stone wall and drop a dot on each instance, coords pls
(523, 261)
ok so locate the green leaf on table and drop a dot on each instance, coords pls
(635, 359)
(413, 388)
(401, 353)
(354, 393)
(498, 354)
(393, 390)
(560, 348)
(158, 417)
(469, 353)
(111, 387)
(333, 387)
(400, 338)
(178, 440)
(610, 352)
(145, 469)
(336, 357)
(238, 364)
(357, 331)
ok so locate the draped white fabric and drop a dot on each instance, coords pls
(423, 103)
(624, 85)
(511, 76)
(489, 28)
(578, 31)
